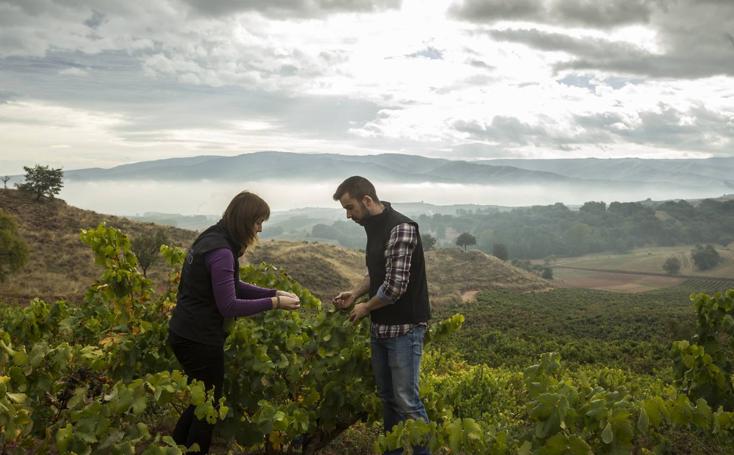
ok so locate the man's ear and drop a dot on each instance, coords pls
(367, 201)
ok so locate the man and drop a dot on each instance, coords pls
(398, 299)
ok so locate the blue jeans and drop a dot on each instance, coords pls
(396, 364)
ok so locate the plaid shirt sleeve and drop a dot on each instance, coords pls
(399, 251)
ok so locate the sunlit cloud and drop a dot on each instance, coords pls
(132, 81)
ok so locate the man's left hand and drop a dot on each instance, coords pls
(358, 312)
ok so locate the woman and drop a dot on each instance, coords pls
(210, 291)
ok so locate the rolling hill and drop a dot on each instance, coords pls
(60, 266)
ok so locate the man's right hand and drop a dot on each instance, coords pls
(343, 300)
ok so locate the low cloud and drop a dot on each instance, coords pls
(288, 8)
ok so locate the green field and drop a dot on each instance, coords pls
(602, 271)
(629, 331)
(650, 260)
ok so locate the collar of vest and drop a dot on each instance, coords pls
(216, 237)
(376, 220)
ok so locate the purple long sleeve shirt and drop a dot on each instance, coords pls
(243, 300)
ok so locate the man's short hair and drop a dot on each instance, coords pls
(357, 187)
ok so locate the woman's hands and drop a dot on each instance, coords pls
(286, 301)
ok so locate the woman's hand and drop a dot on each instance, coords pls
(286, 302)
(286, 294)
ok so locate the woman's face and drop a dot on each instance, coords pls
(259, 226)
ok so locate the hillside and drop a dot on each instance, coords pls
(61, 266)
(452, 273)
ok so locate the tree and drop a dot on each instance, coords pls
(147, 248)
(5, 180)
(42, 181)
(429, 241)
(705, 257)
(13, 250)
(672, 265)
(466, 239)
(499, 250)
(547, 273)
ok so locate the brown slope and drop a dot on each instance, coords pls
(59, 265)
(327, 269)
(453, 273)
(323, 268)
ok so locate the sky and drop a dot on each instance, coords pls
(98, 83)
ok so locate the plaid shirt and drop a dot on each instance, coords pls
(398, 253)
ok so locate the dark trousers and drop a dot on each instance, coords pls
(205, 363)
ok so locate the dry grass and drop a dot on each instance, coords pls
(59, 265)
(324, 269)
(327, 269)
(453, 273)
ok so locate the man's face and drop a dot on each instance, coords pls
(356, 210)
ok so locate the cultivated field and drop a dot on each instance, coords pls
(603, 270)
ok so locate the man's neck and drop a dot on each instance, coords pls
(379, 209)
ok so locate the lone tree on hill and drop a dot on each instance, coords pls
(147, 248)
(466, 239)
(499, 250)
(672, 265)
(547, 273)
(42, 181)
(705, 257)
(13, 250)
(429, 241)
(5, 181)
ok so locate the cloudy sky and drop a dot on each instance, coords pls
(87, 83)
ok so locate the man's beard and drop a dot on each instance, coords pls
(365, 218)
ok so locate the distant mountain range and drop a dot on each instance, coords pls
(698, 172)
(716, 174)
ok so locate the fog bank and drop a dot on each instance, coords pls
(207, 198)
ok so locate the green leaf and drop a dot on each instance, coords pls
(17, 397)
(63, 436)
(608, 434)
(643, 422)
(525, 449)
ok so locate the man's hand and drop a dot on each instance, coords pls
(358, 312)
(343, 300)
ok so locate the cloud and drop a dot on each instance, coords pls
(430, 53)
(288, 8)
(603, 14)
(591, 48)
(694, 130)
(692, 39)
(95, 20)
(589, 13)
(495, 10)
(73, 72)
(697, 129)
(502, 130)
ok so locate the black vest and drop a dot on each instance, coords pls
(196, 316)
(413, 306)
